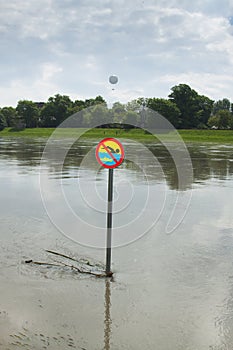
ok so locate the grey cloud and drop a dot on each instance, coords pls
(209, 7)
(142, 40)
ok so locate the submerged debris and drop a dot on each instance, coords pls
(81, 266)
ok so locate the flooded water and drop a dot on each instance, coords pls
(170, 291)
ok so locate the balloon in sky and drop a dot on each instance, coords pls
(113, 79)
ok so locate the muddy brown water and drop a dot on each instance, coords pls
(170, 291)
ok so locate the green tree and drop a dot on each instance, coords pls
(231, 108)
(78, 105)
(136, 105)
(131, 118)
(10, 115)
(97, 115)
(3, 123)
(29, 113)
(205, 106)
(231, 123)
(166, 108)
(219, 105)
(94, 101)
(118, 113)
(132, 106)
(56, 110)
(222, 120)
(187, 100)
(213, 122)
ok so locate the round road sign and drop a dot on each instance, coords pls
(110, 153)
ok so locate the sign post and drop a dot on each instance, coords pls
(109, 154)
(109, 222)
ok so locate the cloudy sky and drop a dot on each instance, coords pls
(72, 46)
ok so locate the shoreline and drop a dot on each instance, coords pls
(215, 136)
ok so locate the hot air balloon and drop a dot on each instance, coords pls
(113, 79)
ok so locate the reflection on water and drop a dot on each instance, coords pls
(171, 292)
(212, 161)
(107, 320)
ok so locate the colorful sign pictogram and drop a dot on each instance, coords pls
(110, 153)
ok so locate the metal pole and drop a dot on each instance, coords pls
(109, 223)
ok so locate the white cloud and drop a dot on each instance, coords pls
(123, 95)
(48, 71)
(143, 42)
(206, 84)
(38, 90)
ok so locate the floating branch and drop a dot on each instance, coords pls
(60, 254)
(41, 263)
(81, 261)
(62, 264)
(94, 273)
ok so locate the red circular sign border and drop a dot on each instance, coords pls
(122, 153)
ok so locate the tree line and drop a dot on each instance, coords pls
(184, 108)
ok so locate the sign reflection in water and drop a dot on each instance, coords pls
(107, 320)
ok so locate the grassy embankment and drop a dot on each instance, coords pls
(220, 136)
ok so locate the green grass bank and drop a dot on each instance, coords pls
(218, 136)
